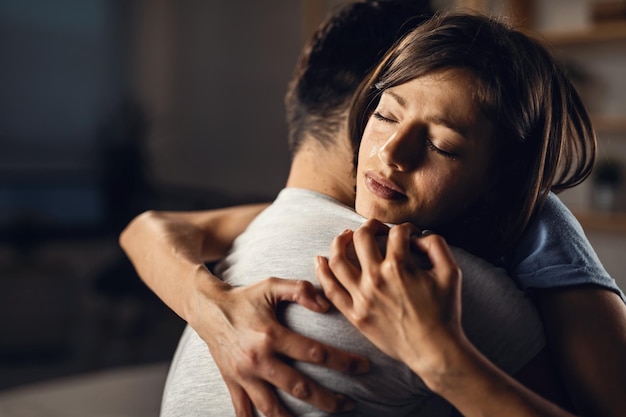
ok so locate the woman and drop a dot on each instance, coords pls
(466, 126)
(469, 220)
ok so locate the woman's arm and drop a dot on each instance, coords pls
(169, 251)
(586, 331)
(413, 314)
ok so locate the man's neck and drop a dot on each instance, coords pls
(327, 170)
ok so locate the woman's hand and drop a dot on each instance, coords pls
(406, 309)
(411, 310)
(249, 346)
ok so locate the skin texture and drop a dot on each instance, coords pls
(238, 324)
(413, 314)
(410, 311)
(586, 326)
(426, 152)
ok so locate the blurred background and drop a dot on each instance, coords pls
(112, 107)
(108, 108)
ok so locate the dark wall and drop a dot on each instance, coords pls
(107, 108)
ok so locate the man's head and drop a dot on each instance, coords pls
(337, 58)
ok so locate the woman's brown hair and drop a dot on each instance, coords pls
(544, 137)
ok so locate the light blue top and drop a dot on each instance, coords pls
(554, 252)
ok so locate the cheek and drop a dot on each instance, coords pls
(447, 194)
(367, 149)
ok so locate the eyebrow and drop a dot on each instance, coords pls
(443, 121)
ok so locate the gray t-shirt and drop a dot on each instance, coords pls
(283, 241)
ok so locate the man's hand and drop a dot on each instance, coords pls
(248, 344)
(239, 325)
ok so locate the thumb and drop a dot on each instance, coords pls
(298, 291)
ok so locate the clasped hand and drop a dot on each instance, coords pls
(408, 310)
(249, 345)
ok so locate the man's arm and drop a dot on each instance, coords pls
(169, 251)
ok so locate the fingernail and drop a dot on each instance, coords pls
(426, 232)
(321, 301)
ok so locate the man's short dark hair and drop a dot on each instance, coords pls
(337, 58)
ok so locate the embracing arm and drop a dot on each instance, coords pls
(586, 331)
(169, 251)
(414, 315)
(239, 325)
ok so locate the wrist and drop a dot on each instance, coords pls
(446, 365)
(205, 292)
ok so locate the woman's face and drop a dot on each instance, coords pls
(426, 152)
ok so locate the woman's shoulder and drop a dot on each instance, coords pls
(555, 252)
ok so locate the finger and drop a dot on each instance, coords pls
(303, 349)
(299, 291)
(343, 270)
(439, 255)
(414, 230)
(241, 401)
(294, 383)
(333, 289)
(366, 243)
(264, 399)
(399, 243)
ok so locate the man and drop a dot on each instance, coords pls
(239, 323)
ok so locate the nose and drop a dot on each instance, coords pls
(402, 151)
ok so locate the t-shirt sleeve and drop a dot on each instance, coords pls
(554, 252)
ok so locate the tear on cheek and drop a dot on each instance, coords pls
(373, 151)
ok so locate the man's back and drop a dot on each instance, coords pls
(282, 242)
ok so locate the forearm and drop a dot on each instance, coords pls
(216, 229)
(415, 317)
(169, 251)
(476, 387)
(586, 331)
(166, 257)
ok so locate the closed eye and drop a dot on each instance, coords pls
(440, 151)
(378, 116)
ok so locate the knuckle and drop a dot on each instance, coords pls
(270, 370)
(255, 355)
(302, 288)
(393, 265)
(272, 281)
(334, 261)
(318, 354)
(371, 223)
(364, 230)
(400, 229)
(251, 359)
(267, 409)
(437, 239)
(301, 390)
(360, 317)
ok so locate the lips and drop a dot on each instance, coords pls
(382, 187)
